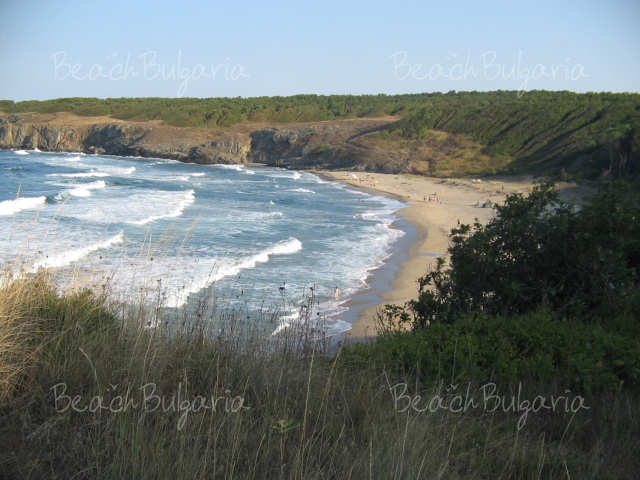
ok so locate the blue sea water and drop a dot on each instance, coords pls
(167, 231)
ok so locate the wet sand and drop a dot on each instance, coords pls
(427, 225)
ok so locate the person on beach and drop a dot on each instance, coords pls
(336, 294)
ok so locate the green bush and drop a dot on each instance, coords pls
(537, 253)
(320, 149)
(528, 348)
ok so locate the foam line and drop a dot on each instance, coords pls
(9, 207)
(70, 256)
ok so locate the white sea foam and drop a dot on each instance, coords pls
(183, 200)
(63, 195)
(185, 178)
(221, 245)
(356, 192)
(79, 192)
(79, 175)
(283, 174)
(132, 206)
(21, 152)
(96, 184)
(249, 216)
(326, 310)
(301, 190)
(9, 207)
(285, 322)
(84, 190)
(70, 256)
(73, 159)
(386, 215)
(179, 296)
(116, 171)
(223, 166)
(291, 245)
(36, 149)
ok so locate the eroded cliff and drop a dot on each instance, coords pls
(353, 144)
(317, 145)
(120, 138)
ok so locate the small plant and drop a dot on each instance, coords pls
(319, 150)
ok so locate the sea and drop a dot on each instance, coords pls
(169, 233)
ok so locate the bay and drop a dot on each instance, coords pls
(167, 232)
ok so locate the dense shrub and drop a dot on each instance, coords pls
(530, 348)
(544, 291)
(536, 253)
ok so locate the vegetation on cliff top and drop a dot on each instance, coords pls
(563, 134)
(543, 132)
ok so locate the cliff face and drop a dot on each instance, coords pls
(320, 145)
(331, 146)
(44, 137)
(354, 144)
(229, 150)
(122, 139)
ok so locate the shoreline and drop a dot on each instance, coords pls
(427, 225)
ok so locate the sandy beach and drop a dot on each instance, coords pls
(434, 207)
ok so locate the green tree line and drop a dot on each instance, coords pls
(581, 136)
(555, 133)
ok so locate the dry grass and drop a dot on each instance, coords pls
(438, 154)
(239, 404)
(17, 352)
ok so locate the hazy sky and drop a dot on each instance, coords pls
(196, 48)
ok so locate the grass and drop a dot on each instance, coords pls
(436, 154)
(89, 392)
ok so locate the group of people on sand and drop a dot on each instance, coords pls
(367, 181)
(433, 198)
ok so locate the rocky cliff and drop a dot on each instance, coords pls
(18, 132)
(44, 137)
(354, 144)
(321, 145)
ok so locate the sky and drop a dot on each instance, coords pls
(241, 48)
